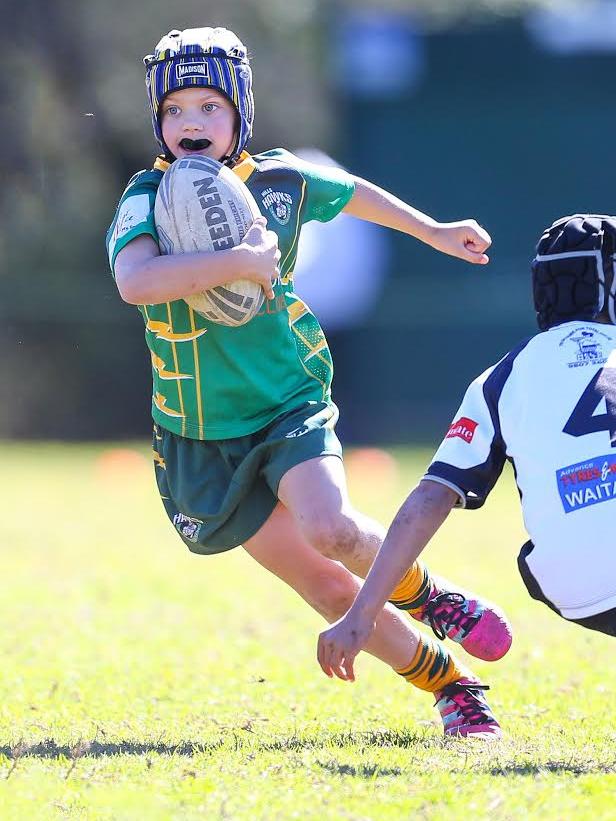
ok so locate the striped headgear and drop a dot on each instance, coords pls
(210, 57)
(574, 270)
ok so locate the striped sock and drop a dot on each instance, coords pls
(414, 589)
(433, 667)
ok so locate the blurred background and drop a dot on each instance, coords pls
(495, 109)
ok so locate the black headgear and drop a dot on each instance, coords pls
(573, 262)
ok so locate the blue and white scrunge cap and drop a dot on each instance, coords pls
(209, 57)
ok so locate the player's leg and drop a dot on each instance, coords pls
(315, 491)
(330, 589)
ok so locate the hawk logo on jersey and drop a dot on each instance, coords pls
(187, 527)
(278, 204)
(464, 428)
(589, 346)
(587, 483)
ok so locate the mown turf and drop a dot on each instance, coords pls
(140, 682)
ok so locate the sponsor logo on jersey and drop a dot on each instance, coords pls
(187, 527)
(588, 344)
(587, 483)
(463, 428)
(278, 204)
(183, 70)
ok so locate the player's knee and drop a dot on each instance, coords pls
(336, 537)
(335, 593)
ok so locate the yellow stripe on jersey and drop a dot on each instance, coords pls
(317, 348)
(297, 309)
(314, 349)
(197, 372)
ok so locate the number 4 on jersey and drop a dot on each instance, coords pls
(582, 420)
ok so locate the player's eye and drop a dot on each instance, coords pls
(209, 107)
(172, 109)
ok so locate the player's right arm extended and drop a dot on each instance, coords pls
(419, 518)
(145, 277)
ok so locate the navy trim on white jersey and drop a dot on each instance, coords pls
(478, 481)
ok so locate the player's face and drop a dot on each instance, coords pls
(198, 121)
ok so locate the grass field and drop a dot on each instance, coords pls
(141, 682)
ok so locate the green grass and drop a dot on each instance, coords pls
(141, 682)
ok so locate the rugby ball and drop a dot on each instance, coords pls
(201, 205)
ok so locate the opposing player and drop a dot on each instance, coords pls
(244, 441)
(549, 406)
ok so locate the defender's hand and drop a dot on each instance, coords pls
(339, 645)
(465, 239)
(263, 255)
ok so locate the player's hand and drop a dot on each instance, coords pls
(339, 645)
(465, 239)
(263, 255)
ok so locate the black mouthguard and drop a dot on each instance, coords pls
(194, 145)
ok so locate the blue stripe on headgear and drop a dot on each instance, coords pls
(209, 57)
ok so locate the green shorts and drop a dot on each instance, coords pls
(218, 493)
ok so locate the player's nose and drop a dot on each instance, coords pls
(192, 124)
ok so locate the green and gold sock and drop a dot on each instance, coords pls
(433, 667)
(413, 590)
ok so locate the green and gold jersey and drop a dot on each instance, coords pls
(211, 381)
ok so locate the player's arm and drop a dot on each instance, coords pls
(465, 239)
(145, 277)
(419, 518)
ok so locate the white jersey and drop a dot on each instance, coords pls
(549, 407)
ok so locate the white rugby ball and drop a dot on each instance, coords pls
(201, 205)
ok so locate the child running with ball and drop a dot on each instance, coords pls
(244, 425)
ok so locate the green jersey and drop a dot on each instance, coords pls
(212, 381)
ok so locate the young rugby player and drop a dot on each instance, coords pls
(549, 407)
(244, 442)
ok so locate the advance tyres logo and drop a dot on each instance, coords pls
(587, 483)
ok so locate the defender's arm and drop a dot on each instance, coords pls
(419, 518)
